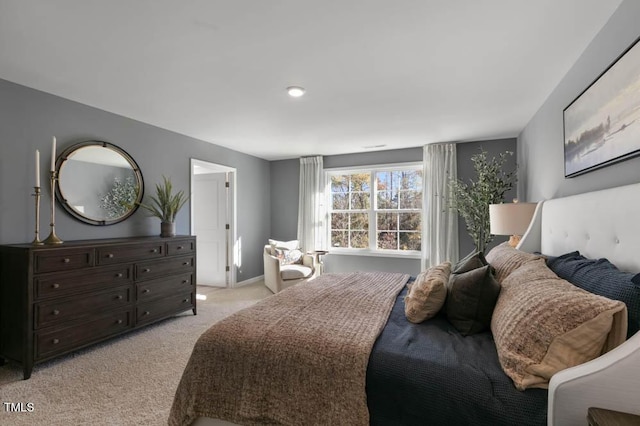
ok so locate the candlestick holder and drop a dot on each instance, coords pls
(53, 238)
(36, 194)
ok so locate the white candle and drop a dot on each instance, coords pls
(37, 168)
(53, 155)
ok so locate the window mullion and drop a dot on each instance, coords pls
(398, 227)
(373, 205)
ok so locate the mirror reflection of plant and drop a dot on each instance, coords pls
(165, 204)
(472, 200)
(120, 199)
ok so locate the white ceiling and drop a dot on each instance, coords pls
(377, 72)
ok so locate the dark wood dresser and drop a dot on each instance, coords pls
(56, 299)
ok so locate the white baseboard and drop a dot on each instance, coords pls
(249, 281)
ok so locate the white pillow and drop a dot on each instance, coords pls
(286, 245)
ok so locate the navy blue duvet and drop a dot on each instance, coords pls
(428, 374)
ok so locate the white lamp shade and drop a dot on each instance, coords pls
(510, 218)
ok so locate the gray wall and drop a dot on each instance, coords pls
(464, 153)
(541, 143)
(28, 120)
(285, 183)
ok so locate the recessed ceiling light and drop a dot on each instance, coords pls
(295, 91)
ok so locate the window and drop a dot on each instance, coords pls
(377, 209)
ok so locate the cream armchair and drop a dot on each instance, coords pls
(277, 277)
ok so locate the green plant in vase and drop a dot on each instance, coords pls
(472, 199)
(165, 206)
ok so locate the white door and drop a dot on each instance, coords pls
(209, 224)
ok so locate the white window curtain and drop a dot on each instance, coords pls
(440, 222)
(312, 221)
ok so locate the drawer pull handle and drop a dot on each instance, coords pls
(55, 341)
(119, 321)
(146, 313)
(185, 300)
(146, 270)
(56, 285)
(179, 248)
(118, 275)
(185, 264)
(56, 312)
(66, 260)
(119, 297)
(146, 290)
(154, 251)
(110, 255)
(185, 281)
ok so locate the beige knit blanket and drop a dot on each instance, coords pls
(298, 357)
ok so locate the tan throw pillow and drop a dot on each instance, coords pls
(506, 259)
(543, 324)
(427, 294)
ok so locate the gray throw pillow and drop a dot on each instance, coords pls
(472, 261)
(471, 297)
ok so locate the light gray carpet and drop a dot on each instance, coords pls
(130, 380)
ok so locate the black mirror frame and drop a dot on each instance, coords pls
(74, 213)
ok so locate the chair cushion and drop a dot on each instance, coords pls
(295, 272)
(288, 257)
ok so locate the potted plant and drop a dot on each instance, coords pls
(165, 206)
(472, 200)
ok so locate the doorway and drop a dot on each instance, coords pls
(213, 222)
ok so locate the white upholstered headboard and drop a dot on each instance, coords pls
(602, 223)
(598, 224)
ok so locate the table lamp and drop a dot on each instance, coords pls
(511, 219)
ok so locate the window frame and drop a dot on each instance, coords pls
(372, 250)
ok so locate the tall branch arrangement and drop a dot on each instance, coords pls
(472, 199)
(165, 205)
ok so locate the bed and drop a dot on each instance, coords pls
(598, 224)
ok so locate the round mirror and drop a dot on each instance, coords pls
(98, 183)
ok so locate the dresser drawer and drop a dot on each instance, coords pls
(49, 343)
(59, 310)
(161, 268)
(149, 290)
(151, 311)
(181, 247)
(122, 253)
(62, 260)
(62, 284)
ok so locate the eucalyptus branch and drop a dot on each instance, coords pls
(472, 200)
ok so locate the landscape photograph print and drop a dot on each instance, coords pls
(602, 125)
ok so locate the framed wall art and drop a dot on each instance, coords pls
(602, 125)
